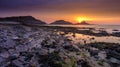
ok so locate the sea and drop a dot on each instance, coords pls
(108, 39)
(109, 28)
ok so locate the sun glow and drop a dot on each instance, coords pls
(80, 19)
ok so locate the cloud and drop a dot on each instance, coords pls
(85, 6)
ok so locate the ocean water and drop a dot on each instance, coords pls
(80, 38)
(92, 26)
(108, 28)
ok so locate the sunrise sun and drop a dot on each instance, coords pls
(80, 19)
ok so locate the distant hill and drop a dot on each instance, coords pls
(83, 23)
(62, 22)
(22, 20)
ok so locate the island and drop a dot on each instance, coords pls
(62, 22)
(83, 23)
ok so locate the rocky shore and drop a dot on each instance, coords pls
(45, 46)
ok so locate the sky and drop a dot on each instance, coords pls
(92, 11)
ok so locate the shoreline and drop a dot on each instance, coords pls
(26, 46)
(76, 30)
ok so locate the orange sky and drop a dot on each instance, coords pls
(92, 11)
(93, 19)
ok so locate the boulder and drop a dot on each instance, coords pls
(4, 54)
(1, 60)
(21, 48)
(18, 63)
(13, 53)
(83, 63)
